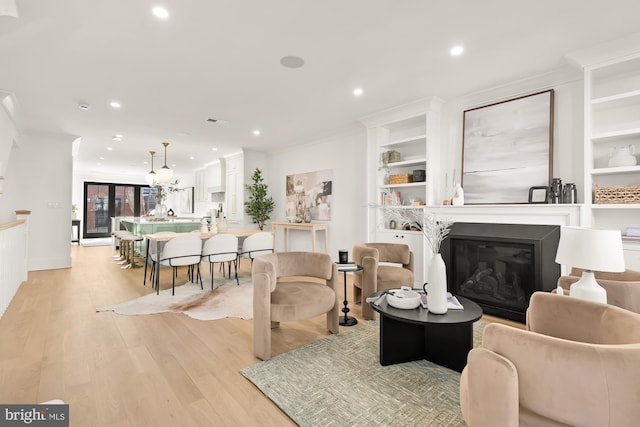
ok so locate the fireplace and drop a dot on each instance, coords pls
(499, 266)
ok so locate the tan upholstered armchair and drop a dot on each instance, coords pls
(578, 364)
(276, 301)
(375, 275)
(623, 289)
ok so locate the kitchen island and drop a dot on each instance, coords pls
(141, 226)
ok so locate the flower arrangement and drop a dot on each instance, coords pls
(433, 228)
(162, 191)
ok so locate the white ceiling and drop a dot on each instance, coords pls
(221, 59)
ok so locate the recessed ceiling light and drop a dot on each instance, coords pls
(109, 148)
(101, 158)
(256, 132)
(192, 158)
(291, 61)
(456, 50)
(160, 12)
(117, 137)
(358, 91)
(115, 104)
(214, 149)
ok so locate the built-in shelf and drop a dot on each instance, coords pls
(615, 170)
(409, 162)
(410, 184)
(603, 136)
(406, 140)
(616, 97)
(604, 206)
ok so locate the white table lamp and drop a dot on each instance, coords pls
(591, 250)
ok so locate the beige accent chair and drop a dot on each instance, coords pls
(377, 274)
(623, 289)
(276, 301)
(578, 364)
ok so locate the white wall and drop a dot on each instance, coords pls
(38, 178)
(568, 141)
(345, 155)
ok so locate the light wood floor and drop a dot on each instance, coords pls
(114, 370)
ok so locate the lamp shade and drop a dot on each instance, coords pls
(165, 174)
(591, 249)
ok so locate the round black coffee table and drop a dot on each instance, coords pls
(407, 335)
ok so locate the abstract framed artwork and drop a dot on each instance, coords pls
(186, 200)
(311, 190)
(507, 148)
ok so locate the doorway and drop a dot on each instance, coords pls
(102, 201)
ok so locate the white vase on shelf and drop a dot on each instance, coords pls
(437, 285)
(458, 196)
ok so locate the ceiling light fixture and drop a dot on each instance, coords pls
(115, 104)
(117, 137)
(152, 176)
(214, 149)
(456, 50)
(160, 12)
(165, 173)
(358, 91)
(256, 132)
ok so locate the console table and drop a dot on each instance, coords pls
(312, 227)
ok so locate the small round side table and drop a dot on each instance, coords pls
(346, 320)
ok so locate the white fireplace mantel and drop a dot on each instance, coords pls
(551, 214)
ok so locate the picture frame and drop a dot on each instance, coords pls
(187, 200)
(312, 191)
(507, 148)
(539, 194)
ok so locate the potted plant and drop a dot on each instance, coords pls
(259, 206)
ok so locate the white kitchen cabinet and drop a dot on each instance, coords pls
(200, 186)
(216, 177)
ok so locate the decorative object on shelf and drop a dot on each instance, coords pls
(307, 215)
(570, 193)
(436, 285)
(419, 175)
(74, 211)
(401, 178)
(623, 156)
(458, 196)
(507, 149)
(204, 226)
(391, 156)
(259, 206)
(555, 196)
(591, 250)
(385, 179)
(152, 176)
(616, 194)
(392, 224)
(165, 174)
(161, 211)
(170, 212)
(539, 194)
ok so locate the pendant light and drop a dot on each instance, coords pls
(152, 177)
(165, 174)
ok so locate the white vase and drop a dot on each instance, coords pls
(437, 285)
(458, 196)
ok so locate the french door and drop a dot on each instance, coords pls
(105, 200)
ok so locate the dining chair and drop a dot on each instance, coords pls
(153, 256)
(179, 252)
(221, 248)
(256, 244)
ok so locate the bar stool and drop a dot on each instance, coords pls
(129, 242)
